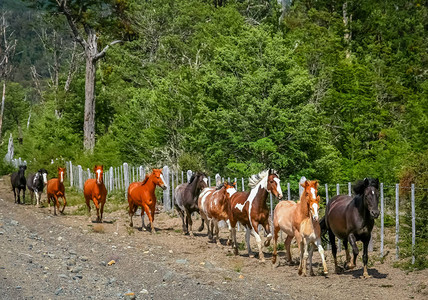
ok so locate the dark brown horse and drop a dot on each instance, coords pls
(186, 200)
(352, 219)
(19, 183)
(250, 209)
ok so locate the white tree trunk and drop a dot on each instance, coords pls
(2, 108)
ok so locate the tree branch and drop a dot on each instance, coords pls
(62, 5)
(103, 52)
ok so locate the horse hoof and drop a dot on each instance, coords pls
(236, 252)
(200, 228)
(366, 276)
(300, 272)
(228, 243)
(267, 243)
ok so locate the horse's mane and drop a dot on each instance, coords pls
(196, 174)
(361, 185)
(256, 178)
(145, 179)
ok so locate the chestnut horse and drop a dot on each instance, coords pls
(300, 220)
(55, 189)
(186, 200)
(143, 194)
(214, 206)
(251, 210)
(352, 219)
(96, 191)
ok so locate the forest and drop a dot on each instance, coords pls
(331, 90)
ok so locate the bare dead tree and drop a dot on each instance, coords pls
(7, 50)
(92, 55)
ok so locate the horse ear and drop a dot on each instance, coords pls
(304, 184)
(366, 182)
(316, 184)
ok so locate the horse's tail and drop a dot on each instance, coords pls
(324, 229)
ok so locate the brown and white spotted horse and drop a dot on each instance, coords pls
(214, 206)
(251, 210)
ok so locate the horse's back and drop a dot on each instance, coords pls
(239, 208)
(179, 194)
(336, 214)
(30, 180)
(283, 216)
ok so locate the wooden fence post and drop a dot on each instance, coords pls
(142, 173)
(111, 178)
(172, 190)
(80, 177)
(189, 175)
(166, 199)
(397, 220)
(288, 191)
(382, 215)
(413, 223)
(126, 178)
(71, 174)
(302, 180)
(326, 202)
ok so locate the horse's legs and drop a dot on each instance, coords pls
(14, 193)
(255, 233)
(311, 252)
(348, 256)
(332, 239)
(269, 234)
(23, 195)
(181, 214)
(303, 256)
(202, 225)
(31, 196)
(189, 221)
(366, 257)
(247, 241)
(355, 251)
(147, 211)
(65, 204)
(102, 210)
(217, 239)
(275, 241)
(97, 206)
(152, 219)
(229, 240)
(88, 205)
(204, 217)
(55, 204)
(321, 252)
(19, 196)
(131, 213)
(287, 244)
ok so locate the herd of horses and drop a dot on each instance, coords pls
(350, 219)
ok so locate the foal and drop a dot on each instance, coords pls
(300, 220)
(55, 189)
(96, 191)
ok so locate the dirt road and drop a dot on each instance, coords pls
(66, 257)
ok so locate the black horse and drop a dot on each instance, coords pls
(18, 182)
(36, 183)
(352, 219)
(186, 199)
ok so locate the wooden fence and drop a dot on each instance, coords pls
(118, 179)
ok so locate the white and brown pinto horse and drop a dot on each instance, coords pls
(300, 220)
(214, 206)
(251, 210)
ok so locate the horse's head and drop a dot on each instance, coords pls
(98, 170)
(368, 188)
(61, 174)
(158, 178)
(202, 181)
(44, 174)
(312, 198)
(230, 189)
(21, 171)
(273, 184)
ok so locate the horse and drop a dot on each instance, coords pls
(300, 220)
(214, 206)
(55, 189)
(352, 219)
(18, 181)
(95, 190)
(250, 208)
(36, 183)
(143, 195)
(186, 200)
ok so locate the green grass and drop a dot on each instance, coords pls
(279, 247)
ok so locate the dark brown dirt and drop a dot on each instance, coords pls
(65, 257)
